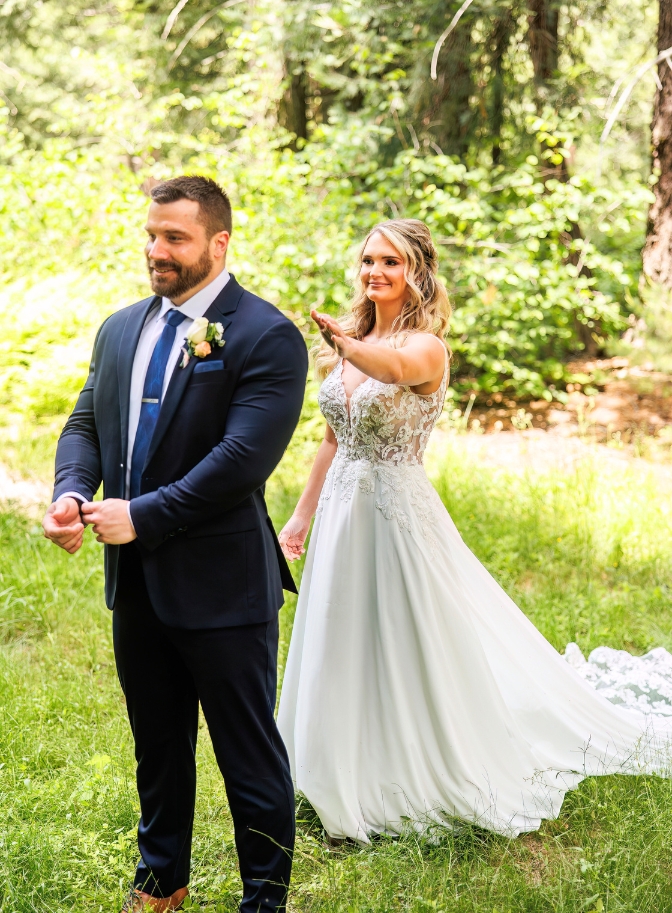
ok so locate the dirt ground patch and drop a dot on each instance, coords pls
(616, 413)
(611, 401)
(27, 495)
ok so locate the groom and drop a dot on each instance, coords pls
(183, 423)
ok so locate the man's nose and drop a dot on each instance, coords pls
(156, 250)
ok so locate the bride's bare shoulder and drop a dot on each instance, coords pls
(427, 343)
(418, 338)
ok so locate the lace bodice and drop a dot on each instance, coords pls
(386, 423)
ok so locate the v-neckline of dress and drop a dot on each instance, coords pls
(348, 399)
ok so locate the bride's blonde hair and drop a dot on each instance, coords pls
(427, 309)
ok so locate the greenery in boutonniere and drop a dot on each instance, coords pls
(201, 337)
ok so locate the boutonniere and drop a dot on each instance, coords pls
(201, 337)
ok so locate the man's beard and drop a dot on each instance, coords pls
(186, 278)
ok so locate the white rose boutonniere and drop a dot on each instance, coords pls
(201, 337)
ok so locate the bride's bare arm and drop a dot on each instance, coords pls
(293, 535)
(421, 360)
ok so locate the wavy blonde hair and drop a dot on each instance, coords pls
(427, 309)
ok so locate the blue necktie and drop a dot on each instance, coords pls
(151, 398)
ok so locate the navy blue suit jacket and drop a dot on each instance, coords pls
(209, 552)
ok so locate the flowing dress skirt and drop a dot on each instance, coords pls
(417, 692)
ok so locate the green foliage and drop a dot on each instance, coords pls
(519, 298)
(502, 233)
(99, 96)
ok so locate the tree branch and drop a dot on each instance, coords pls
(625, 94)
(177, 53)
(170, 21)
(439, 44)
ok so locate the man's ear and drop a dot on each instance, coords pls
(219, 244)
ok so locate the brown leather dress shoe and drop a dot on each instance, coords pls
(139, 901)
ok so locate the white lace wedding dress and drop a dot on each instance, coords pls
(416, 691)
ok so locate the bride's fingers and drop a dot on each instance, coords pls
(333, 326)
(327, 324)
(319, 320)
(330, 330)
(291, 554)
(295, 545)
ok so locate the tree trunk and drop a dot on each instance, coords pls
(543, 39)
(501, 35)
(293, 115)
(543, 21)
(657, 254)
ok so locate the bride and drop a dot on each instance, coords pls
(416, 692)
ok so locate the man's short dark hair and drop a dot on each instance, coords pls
(214, 204)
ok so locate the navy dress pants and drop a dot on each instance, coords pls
(165, 672)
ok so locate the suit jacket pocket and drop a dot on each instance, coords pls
(207, 375)
(203, 367)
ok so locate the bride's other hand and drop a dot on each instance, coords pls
(294, 533)
(332, 333)
(292, 536)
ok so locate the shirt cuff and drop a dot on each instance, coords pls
(128, 508)
(72, 494)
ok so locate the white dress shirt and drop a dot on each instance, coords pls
(194, 307)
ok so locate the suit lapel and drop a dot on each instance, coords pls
(221, 309)
(130, 336)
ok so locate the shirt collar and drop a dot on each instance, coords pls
(198, 304)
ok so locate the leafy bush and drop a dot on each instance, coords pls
(504, 235)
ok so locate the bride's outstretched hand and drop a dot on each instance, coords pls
(292, 536)
(332, 333)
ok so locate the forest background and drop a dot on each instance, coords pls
(321, 119)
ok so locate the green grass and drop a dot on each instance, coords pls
(586, 555)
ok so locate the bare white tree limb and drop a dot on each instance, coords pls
(414, 137)
(13, 110)
(439, 44)
(170, 21)
(10, 71)
(625, 94)
(177, 53)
